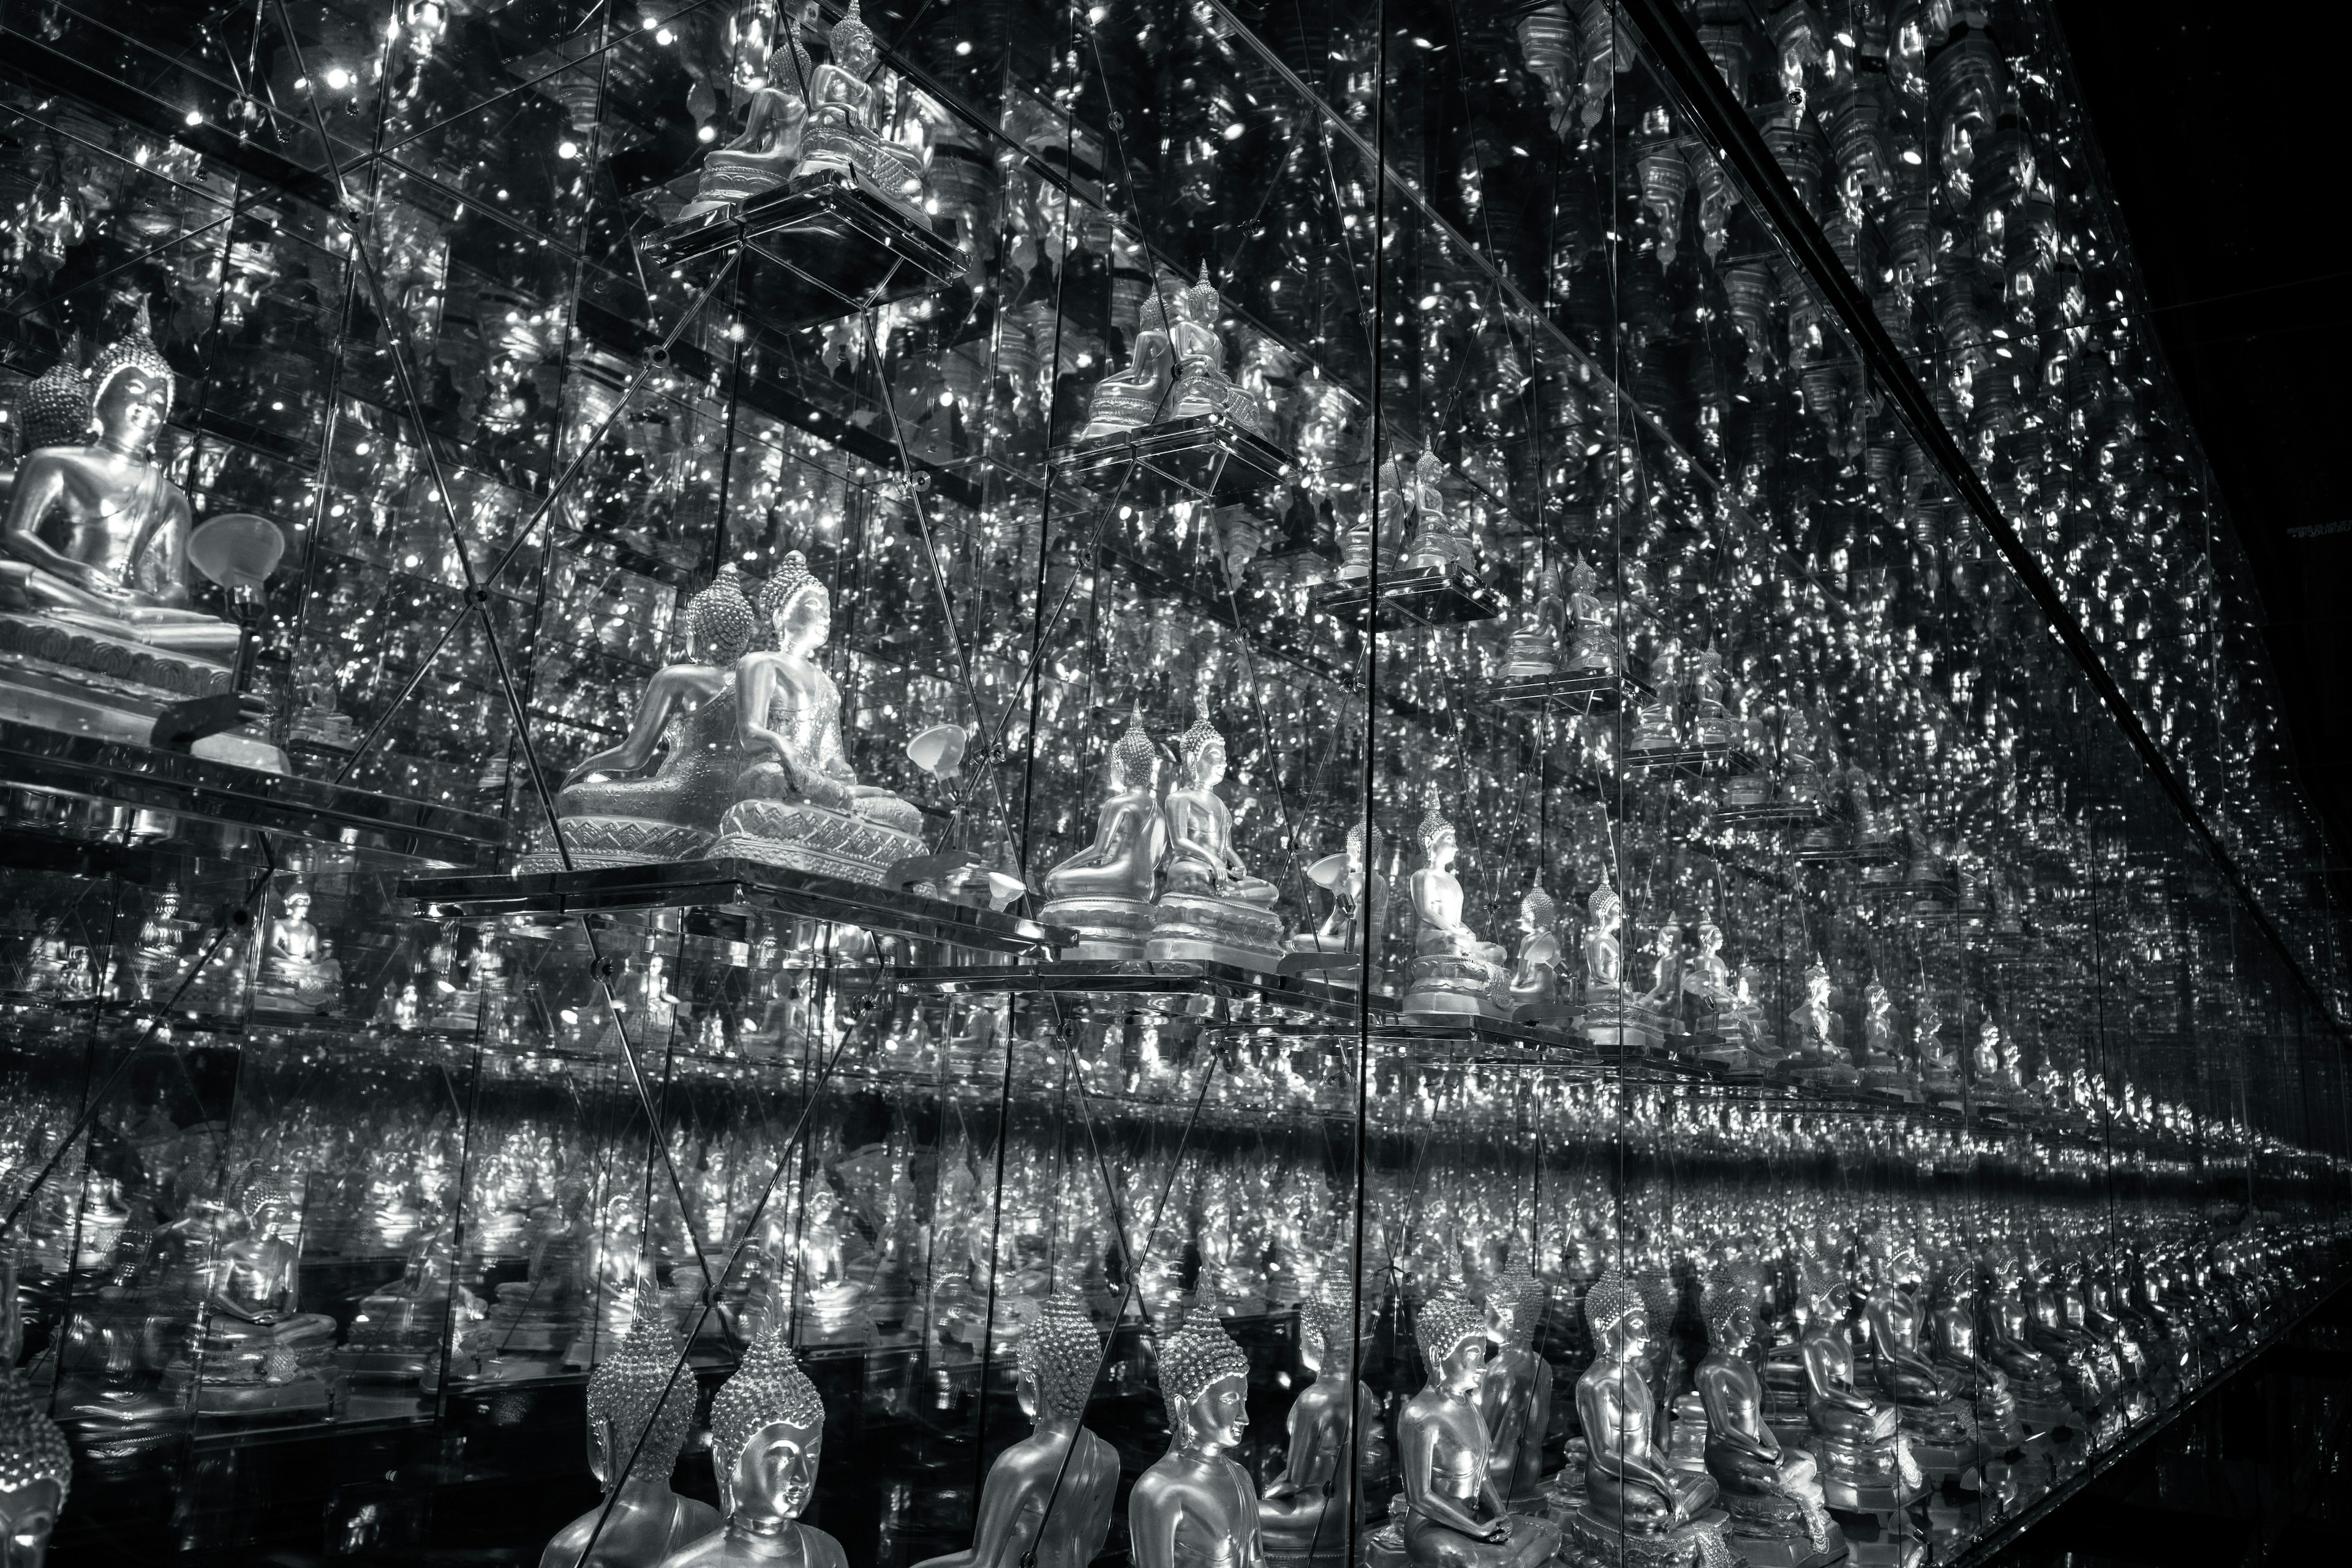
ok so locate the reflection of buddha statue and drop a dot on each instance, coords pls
(1941, 1429)
(257, 1349)
(1213, 908)
(1440, 541)
(767, 151)
(1453, 973)
(1535, 972)
(1865, 1463)
(1303, 1514)
(97, 535)
(1345, 877)
(799, 803)
(1953, 1345)
(1592, 648)
(296, 967)
(1772, 1494)
(1631, 1491)
(35, 1466)
(1655, 730)
(1712, 726)
(1515, 1388)
(1882, 1061)
(1057, 1355)
(690, 707)
(1455, 1517)
(1817, 1036)
(1938, 1073)
(1534, 648)
(1195, 1508)
(821, 1250)
(2039, 1382)
(848, 115)
(1203, 387)
(767, 1435)
(640, 1409)
(1104, 892)
(1137, 396)
(1604, 955)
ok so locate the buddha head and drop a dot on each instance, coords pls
(1817, 984)
(131, 390)
(1204, 1378)
(1325, 1321)
(1453, 1336)
(1614, 1312)
(35, 1472)
(1203, 750)
(1730, 1308)
(1356, 857)
(720, 622)
(269, 1207)
(796, 607)
(1438, 843)
(640, 1401)
(1822, 1285)
(1710, 938)
(767, 1429)
(1605, 910)
(853, 43)
(1875, 997)
(298, 904)
(1134, 759)
(55, 409)
(1057, 1358)
(1514, 1305)
(1537, 911)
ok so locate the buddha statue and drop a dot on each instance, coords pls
(1440, 542)
(640, 1409)
(1203, 389)
(35, 1466)
(1936, 1420)
(95, 536)
(1778, 1517)
(1535, 972)
(1603, 953)
(831, 1292)
(1515, 1388)
(1104, 892)
(2039, 1383)
(255, 1350)
(1882, 1064)
(1866, 1465)
(1058, 1355)
(1593, 620)
(1952, 1343)
(1817, 1051)
(1938, 1070)
(767, 1436)
(1336, 944)
(1988, 1077)
(1633, 1498)
(848, 121)
(1455, 1517)
(689, 713)
(1712, 727)
(1303, 1514)
(1137, 396)
(1211, 909)
(1195, 1507)
(1656, 732)
(767, 151)
(1454, 974)
(1534, 648)
(296, 970)
(798, 802)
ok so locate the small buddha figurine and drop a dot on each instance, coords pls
(1952, 1342)
(1988, 1084)
(1664, 952)
(1656, 732)
(257, 1272)
(35, 1466)
(1631, 1491)
(257, 1350)
(767, 151)
(1938, 1072)
(44, 964)
(1514, 1389)
(1817, 1036)
(1452, 974)
(1139, 396)
(1455, 1516)
(1211, 909)
(767, 1435)
(1196, 1508)
(1303, 1514)
(155, 959)
(1882, 1064)
(1336, 942)
(849, 116)
(640, 1409)
(1712, 727)
(2039, 1382)
(296, 967)
(1534, 648)
(1603, 953)
(799, 803)
(1939, 1424)
(95, 535)
(689, 711)
(821, 1252)
(1772, 1494)
(1535, 972)
(1865, 1463)
(1592, 617)
(1104, 892)
(1440, 541)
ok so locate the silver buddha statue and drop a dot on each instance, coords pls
(1817, 1051)
(1455, 1517)
(1936, 1420)
(1196, 1508)
(767, 1435)
(1712, 727)
(798, 802)
(1534, 648)
(1635, 1502)
(1303, 1514)
(1202, 388)
(1337, 941)
(1593, 619)
(689, 713)
(35, 1466)
(1656, 732)
(296, 968)
(848, 119)
(1882, 1064)
(767, 151)
(1137, 396)
(1515, 1388)
(1866, 1465)
(1104, 892)
(640, 1408)
(255, 1350)
(1212, 910)
(1059, 1349)
(1778, 1517)
(1536, 984)
(1454, 974)
(1440, 541)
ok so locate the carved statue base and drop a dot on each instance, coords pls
(621, 841)
(1200, 929)
(1724, 1048)
(1781, 1532)
(808, 837)
(1879, 1541)
(279, 1370)
(1591, 1542)
(313, 988)
(1821, 1071)
(1869, 1475)
(60, 674)
(1942, 1439)
(1530, 1543)
(1107, 927)
(1622, 1025)
(1447, 987)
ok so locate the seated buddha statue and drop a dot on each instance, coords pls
(1202, 388)
(1303, 1514)
(1711, 725)
(296, 967)
(1515, 1388)
(2040, 1384)
(640, 1412)
(767, 151)
(1631, 1491)
(257, 1349)
(1952, 1341)
(1334, 943)
(1656, 730)
(1195, 1507)
(1212, 907)
(95, 536)
(1441, 539)
(690, 707)
(1940, 1078)
(1865, 1463)
(767, 1437)
(1139, 396)
(1778, 1516)
(1881, 1060)
(36, 1465)
(1593, 618)
(1938, 1420)
(1104, 892)
(1817, 1051)
(1535, 983)
(848, 118)
(1455, 1517)
(1534, 648)
(1454, 974)
(799, 803)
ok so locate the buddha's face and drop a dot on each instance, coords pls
(858, 55)
(1629, 1335)
(1739, 1325)
(27, 1513)
(803, 623)
(1817, 990)
(1218, 1415)
(1209, 765)
(297, 906)
(132, 408)
(1458, 1373)
(776, 1470)
(1443, 847)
